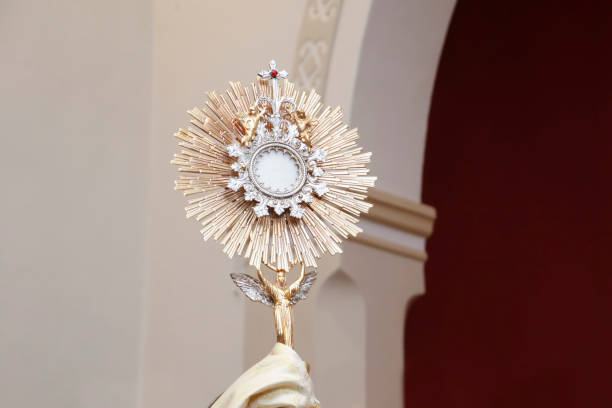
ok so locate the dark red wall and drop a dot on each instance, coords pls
(518, 309)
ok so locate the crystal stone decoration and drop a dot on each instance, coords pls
(277, 169)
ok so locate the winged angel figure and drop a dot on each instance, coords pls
(278, 295)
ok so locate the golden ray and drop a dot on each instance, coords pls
(206, 168)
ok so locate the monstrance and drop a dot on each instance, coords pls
(276, 178)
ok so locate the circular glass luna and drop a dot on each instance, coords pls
(277, 170)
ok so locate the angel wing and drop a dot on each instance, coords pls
(304, 287)
(252, 288)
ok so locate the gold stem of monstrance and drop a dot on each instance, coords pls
(276, 177)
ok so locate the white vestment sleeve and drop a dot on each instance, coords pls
(281, 379)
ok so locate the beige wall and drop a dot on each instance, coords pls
(75, 91)
(396, 71)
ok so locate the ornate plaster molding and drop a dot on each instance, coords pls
(401, 214)
(315, 43)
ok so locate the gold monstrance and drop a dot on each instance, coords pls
(276, 178)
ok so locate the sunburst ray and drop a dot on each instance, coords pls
(225, 215)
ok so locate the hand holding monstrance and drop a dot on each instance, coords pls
(269, 147)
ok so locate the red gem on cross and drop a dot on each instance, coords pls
(274, 73)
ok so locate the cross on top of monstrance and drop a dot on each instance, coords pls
(250, 153)
(273, 75)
